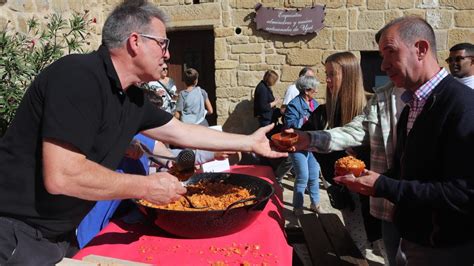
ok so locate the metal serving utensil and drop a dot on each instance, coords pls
(191, 204)
(184, 160)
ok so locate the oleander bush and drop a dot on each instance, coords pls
(24, 55)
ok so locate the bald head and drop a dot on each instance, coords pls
(410, 30)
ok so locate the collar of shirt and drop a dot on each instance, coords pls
(110, 70)
(422, 93)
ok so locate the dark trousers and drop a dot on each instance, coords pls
(21, 244)
(372, 225)
(418, 255)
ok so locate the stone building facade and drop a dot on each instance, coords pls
(242, 53)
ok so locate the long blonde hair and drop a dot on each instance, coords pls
(350, 97)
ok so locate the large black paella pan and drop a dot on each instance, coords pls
(212, 223)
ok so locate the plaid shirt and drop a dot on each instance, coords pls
(376, 127)
(420, 96)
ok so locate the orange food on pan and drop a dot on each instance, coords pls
(349, 165)
(208, 194)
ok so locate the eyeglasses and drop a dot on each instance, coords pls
(456, 59)
(165, 69)
(164, 43)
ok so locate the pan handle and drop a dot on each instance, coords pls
(242, 201)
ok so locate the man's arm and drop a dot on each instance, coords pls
(68, 172)
(199, 137)
(457, 194)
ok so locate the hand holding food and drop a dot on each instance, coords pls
(349, 165)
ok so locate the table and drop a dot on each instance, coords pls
(262, 243)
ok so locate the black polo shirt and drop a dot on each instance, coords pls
(78, 100)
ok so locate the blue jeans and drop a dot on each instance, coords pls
(307, 175)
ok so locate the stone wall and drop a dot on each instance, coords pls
(242, 53)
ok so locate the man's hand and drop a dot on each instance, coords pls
(261, 144)
(303, 139)
(164, 189)
(276, 102)
(363, 184)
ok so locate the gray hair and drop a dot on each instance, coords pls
(130, 16)
(410, 29)
(306, 83)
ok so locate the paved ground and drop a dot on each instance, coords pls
(373, 256)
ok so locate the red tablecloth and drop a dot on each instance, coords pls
(261, 243)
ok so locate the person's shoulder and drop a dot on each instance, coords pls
(451, 85)
(77, 72)
(387, 87)
(453, 93)
(261, 85)
(296, 100)
(154, 83)
(292, 86)
(74, 63)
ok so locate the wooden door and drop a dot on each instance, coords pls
(194, 49)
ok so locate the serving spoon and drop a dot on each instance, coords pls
(184, 160)
(191, 204)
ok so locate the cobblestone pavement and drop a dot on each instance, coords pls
(357, 231)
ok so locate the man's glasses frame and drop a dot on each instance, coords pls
(457, 59)
(164, 43)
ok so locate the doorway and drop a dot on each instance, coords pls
(373, 76)
(194, 48)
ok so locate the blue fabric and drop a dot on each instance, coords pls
(103, 210)
(298, 112)
(307, 175)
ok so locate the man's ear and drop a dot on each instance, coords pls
(423, 48)
(132, 43)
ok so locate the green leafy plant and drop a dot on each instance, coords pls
(24, 55)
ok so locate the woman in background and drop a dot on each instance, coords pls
(166, 88)
(264, 105)
(306, 167)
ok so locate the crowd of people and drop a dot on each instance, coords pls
(394, 134)
(64, 151)
(58, 156)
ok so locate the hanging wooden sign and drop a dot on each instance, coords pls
(290, 22)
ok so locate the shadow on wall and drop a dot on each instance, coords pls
(241, 120)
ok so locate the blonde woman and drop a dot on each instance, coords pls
(345, 99)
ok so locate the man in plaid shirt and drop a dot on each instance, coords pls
(431, 182)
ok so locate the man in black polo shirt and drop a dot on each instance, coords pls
(74, 125)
